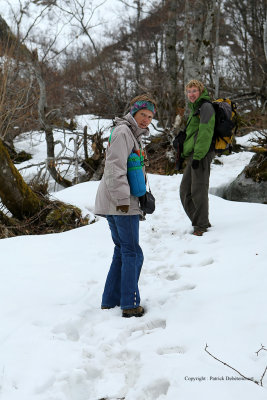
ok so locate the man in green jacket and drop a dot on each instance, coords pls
(198, 149)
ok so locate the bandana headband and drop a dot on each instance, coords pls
(139, 105)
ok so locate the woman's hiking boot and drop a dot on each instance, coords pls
(133, 312)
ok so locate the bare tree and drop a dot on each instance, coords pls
(81, 14)
(15, 194)
(248, 63)
(135, 45)
(45, 123)
(17, 98)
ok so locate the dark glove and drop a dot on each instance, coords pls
(179, 164)
(179, 141)
(123, 208)
(195, 164)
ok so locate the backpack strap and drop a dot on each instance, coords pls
(202, 101)
(109, 139)
(140, 152)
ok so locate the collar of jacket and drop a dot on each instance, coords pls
(129, 120)
(204, 95)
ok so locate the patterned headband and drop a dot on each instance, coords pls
(139, 105)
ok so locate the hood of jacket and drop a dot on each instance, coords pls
(129, 120)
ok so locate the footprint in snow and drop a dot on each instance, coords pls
(206, 262)
(172, 276)
(185, 266)
(213, 241)
(129, 356)
(69, 329)
(183, 288)
(191, 252)
(149, 326)
(171, 350)
(156, 389)
(161, 272)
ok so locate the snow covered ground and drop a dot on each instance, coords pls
(57, 344)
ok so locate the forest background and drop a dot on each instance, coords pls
(61, 59)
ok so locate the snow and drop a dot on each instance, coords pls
(250, 139)
(57, 344)
(64, 147)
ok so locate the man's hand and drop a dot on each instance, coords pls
(195, 164)
(123, 208)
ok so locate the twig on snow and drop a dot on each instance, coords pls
(239, 373)
(262, 348)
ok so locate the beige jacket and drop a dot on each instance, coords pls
(114, 188)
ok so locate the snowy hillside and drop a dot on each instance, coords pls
(57, 344)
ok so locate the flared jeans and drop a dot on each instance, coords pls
(121, 287)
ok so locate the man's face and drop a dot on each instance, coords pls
(193, 94)
(143, 118)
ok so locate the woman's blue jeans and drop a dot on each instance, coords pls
(121, 288)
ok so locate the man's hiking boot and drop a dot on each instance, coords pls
(198, 232)
(133, 312)
(105, 308)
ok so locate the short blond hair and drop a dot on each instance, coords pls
(196, 83)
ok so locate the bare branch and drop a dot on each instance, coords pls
(263, 376)
(127, 4)
(262, 348)
(234, 369)
(39, 16)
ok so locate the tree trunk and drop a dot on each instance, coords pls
(171, 59)
(137, 46)
(198, 25)
(15, 194)
(9, 39)
(217, 53)
(42, 106)
(265, 36)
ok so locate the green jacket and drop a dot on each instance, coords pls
(200, 129)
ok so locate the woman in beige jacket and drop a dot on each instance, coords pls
(115, 201)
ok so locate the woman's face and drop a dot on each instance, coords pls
(193, 94)
(143, 118)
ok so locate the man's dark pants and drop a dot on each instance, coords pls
(194, 192)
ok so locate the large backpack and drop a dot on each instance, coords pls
(225, 123)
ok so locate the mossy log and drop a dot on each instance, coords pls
(33, 214)
(54, 217)
(15, 194)
(64, 217)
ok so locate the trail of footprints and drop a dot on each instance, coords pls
(113, 350)
(116, 358)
